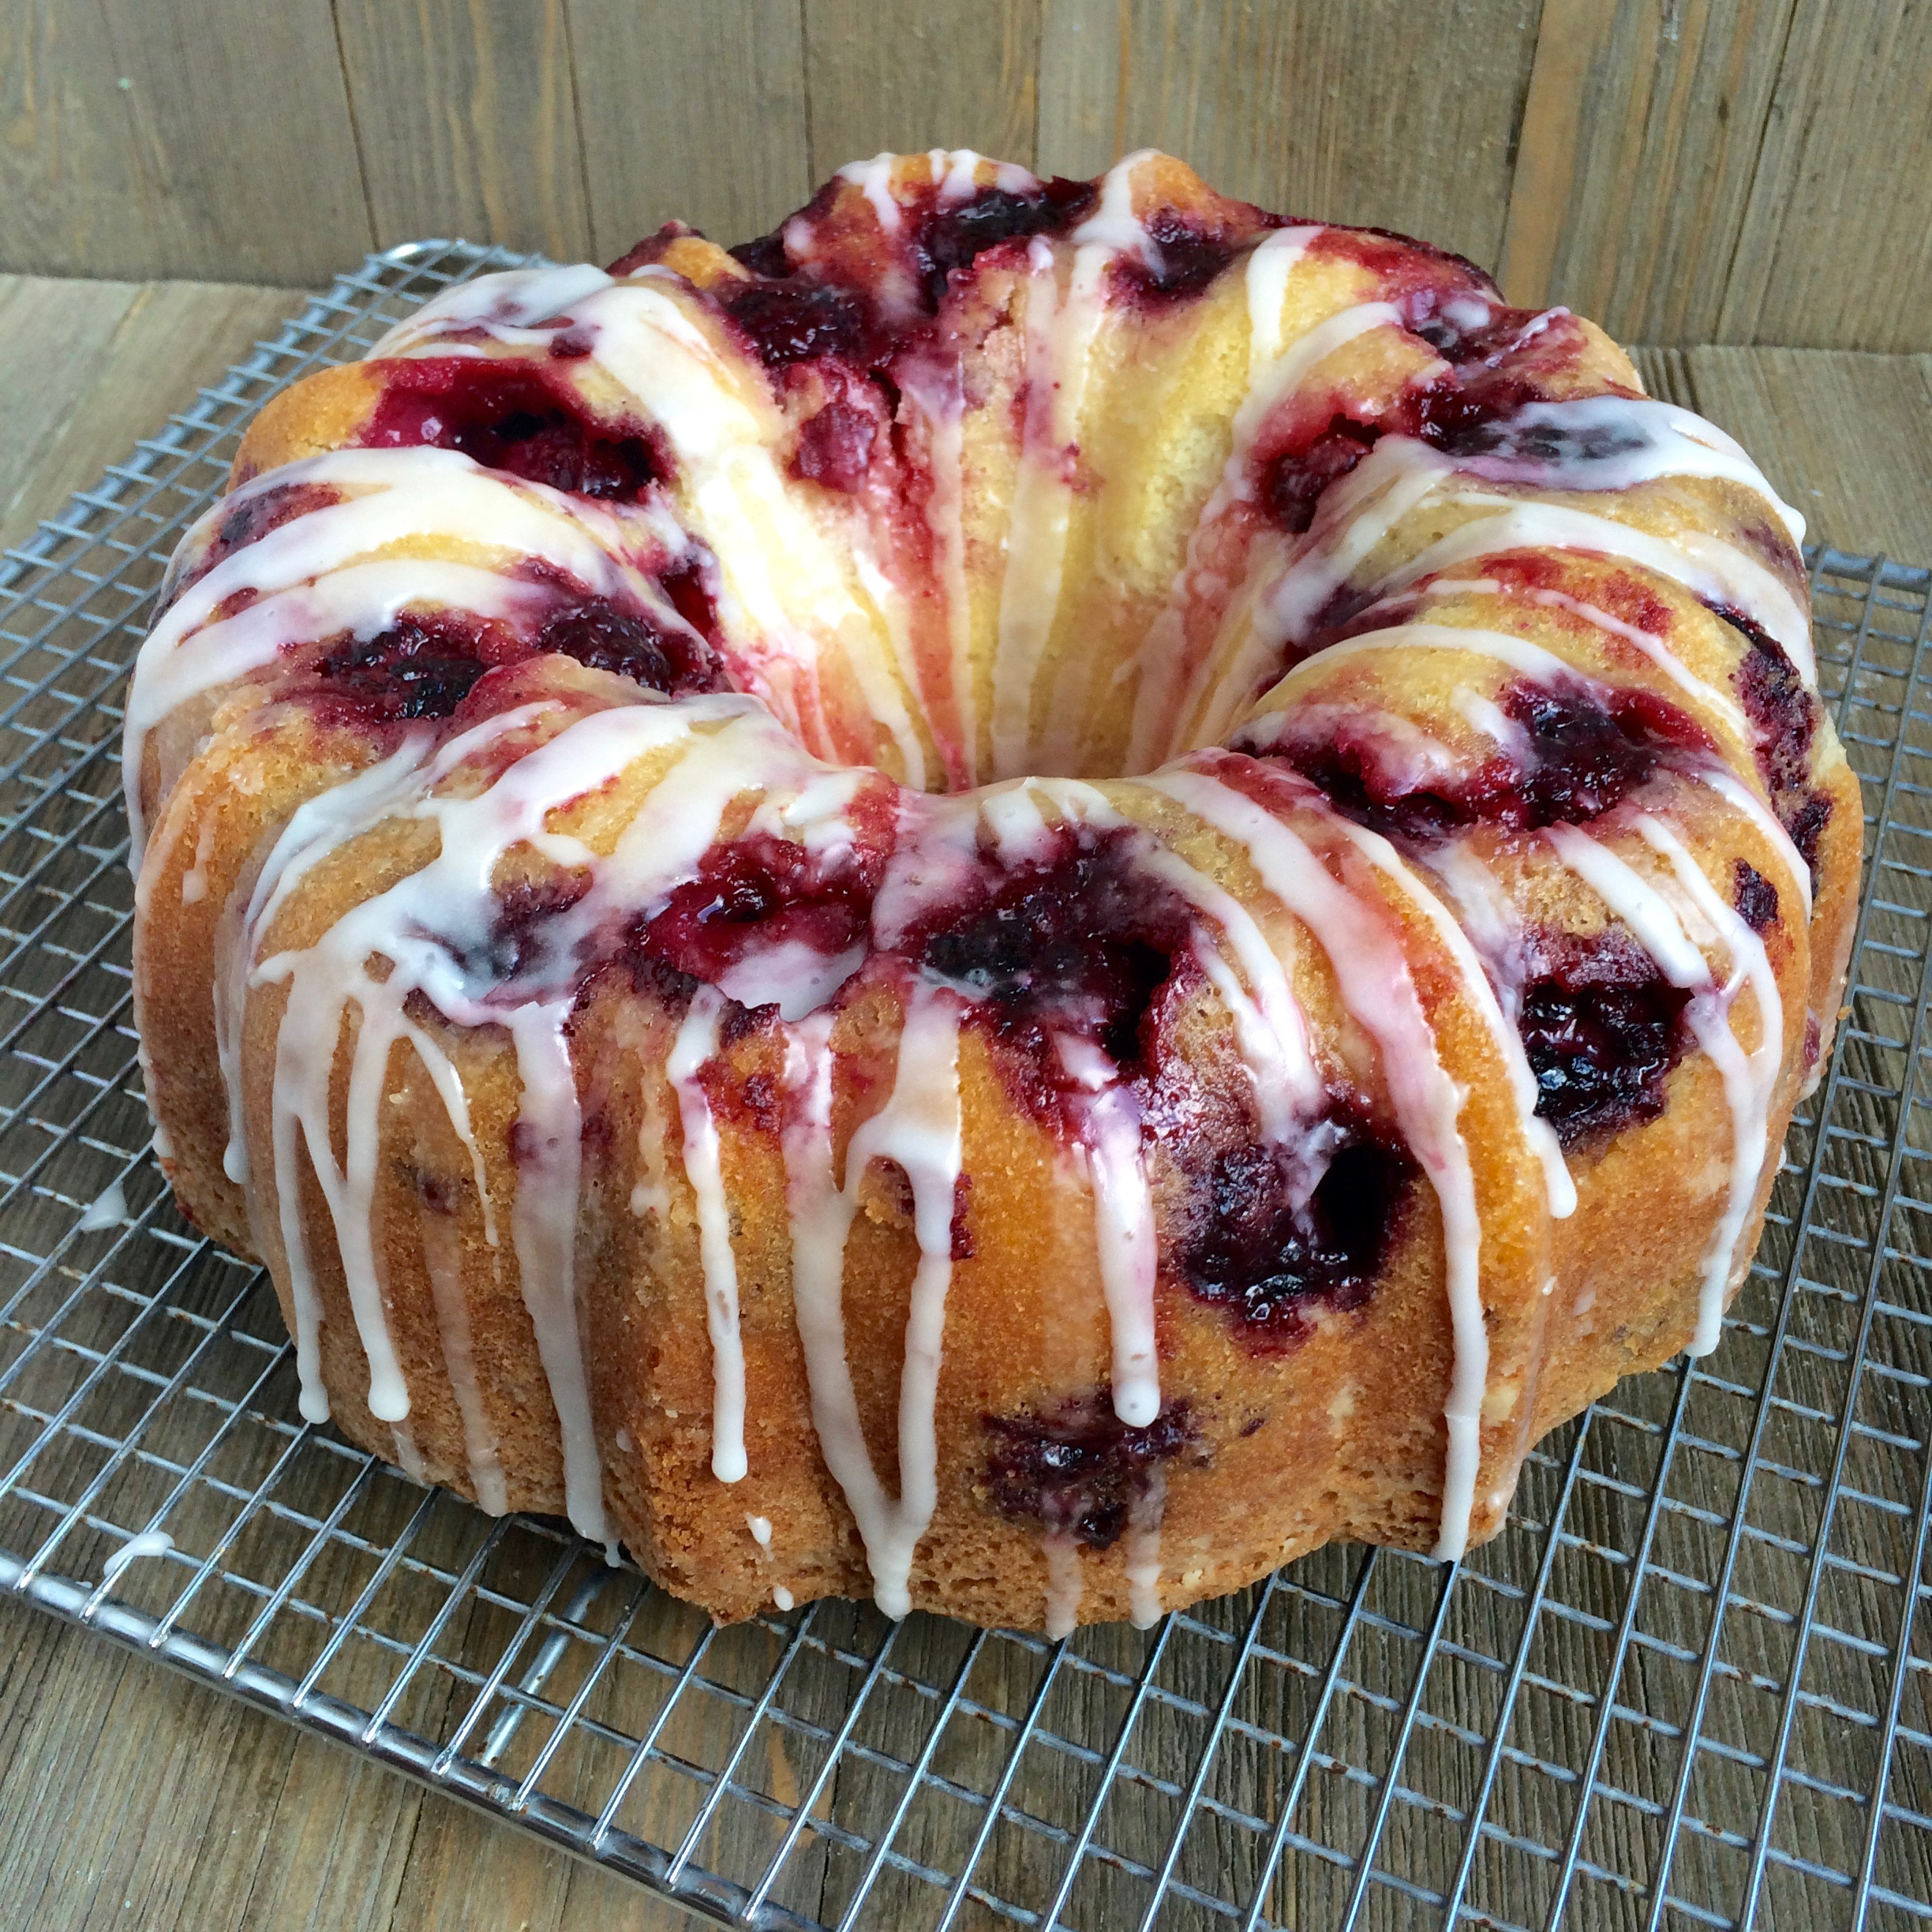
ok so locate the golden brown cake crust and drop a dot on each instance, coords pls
(1022, 900)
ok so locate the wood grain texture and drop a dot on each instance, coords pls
(466, 121)
(130, 353)
(901, 75)
(1379, 114)
(143, 140)
(692, 111)
(1682, 171)
(68, 165)
(1639, 143)
(1835, 250)
(1841, 436)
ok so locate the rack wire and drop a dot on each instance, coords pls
(1688, 1686)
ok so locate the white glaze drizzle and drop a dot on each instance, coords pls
(1634, 902)
(1717, 777)
(723, 432)
(650, 1191)
(1639, 440)
(1273, 1035)
(513, 298)
(408, 1457)
(1559, 1185)
(1749, 1080)
(1534, 660)
(107, 1209)
(549, 1126)
(1660, 930)
(1657, 649)
(1286, 586)
(425, 927)
(1275, 373)
(1271, 1027)
(652, 336)
(919, 1127)
(1741, 798)
(1123, 1227)
(874, 179)
(1064, 1585)
(1145, 1516)
(1710, 568)
(442, 1252)
(1505, 648)
(696, 1044)
(1279, 602)
(932, 389)
(194, 881)
(315, 830)
(1061, 333)
(1373, 979)
(306, 581)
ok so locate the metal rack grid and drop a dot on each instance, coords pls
(1687, 1685)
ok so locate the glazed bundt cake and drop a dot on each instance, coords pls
(1021, 900)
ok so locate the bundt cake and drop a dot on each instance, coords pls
(1021, 900)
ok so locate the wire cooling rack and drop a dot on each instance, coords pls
(1687, 1685)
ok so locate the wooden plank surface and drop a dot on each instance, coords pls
(870, 66)
(130, 1796)
(1685, 171)
(1374, 114)
(146, 140)
(1635, 160)
(466, 121)
(130, 354)
(695, 112)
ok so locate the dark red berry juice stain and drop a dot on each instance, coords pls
(600, 635)
(423, 667)
(827, 314)
(1188, 253)
(1421, 275)
(1583, 752)
(517, 942)
(759, 891)
(1783, 721)
(1516, 440)
(508, 414)
(950, 235)
(835, 443)
(1782, 715)
(1254, 1242)
(798, 321)
(1603, 1028)
(1754, 897)
(938, 236)
(1081, 944)
(1076, 1469)
(688, 589)
(419, 668)
(1295, 481)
